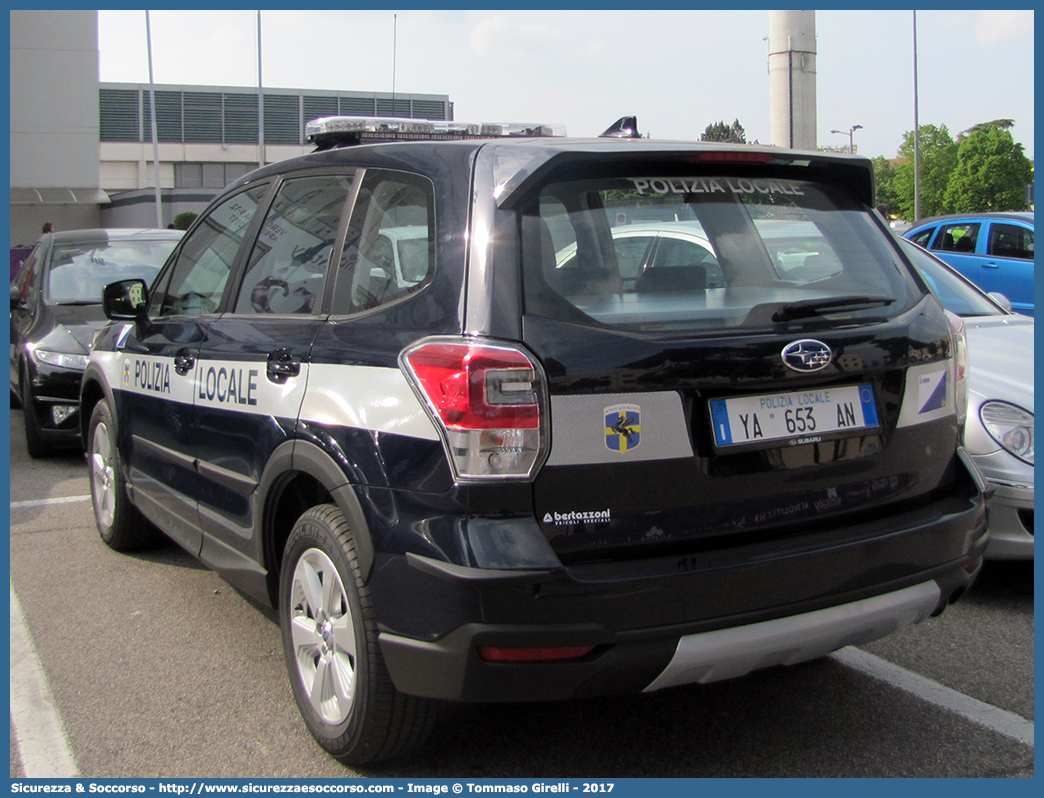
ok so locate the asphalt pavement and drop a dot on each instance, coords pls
(158, 668)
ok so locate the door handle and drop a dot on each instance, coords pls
(282, 365)
(183, 362)
(990, 266)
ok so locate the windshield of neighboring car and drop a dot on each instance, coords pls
(956, 294)
(678, 254)
(79, 272)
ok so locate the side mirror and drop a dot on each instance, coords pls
(1001, 300)
(16, 297)
(127, 300)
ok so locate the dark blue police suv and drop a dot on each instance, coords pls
(404, 392)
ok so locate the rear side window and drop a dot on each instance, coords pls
(722, 252)
(923, 237)
(389, 250)
(1011, 241)
(289, 260)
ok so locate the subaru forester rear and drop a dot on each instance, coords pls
(634, 414)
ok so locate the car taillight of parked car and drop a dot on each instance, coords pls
(489, 402)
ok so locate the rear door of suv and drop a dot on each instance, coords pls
(689, 416)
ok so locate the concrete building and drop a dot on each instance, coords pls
(82, 151)
(207, 136)
(54, 122)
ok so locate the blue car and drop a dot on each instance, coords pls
(993, 250)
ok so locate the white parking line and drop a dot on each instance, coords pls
(43, 748)
(1001, 721)
(45, 502)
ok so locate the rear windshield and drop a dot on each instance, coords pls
(652, 254)
(79, 272)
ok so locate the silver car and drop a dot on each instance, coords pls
(999, 429)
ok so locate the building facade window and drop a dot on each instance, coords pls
(230, 117)
(209, 174)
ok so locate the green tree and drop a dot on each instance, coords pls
(938, 160)
(719, 131)
(992, 171)
(183, 220)
(884, 181)
(1003, 124)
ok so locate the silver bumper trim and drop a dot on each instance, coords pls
(727, 653)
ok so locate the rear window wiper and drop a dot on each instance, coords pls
(806, 308)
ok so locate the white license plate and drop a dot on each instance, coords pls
(798, 415)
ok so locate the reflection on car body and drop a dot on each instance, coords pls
(999, 430)
(641, 248)
(993, 250)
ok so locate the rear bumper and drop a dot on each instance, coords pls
(668, 621)
(728, 653)
(1011, 522)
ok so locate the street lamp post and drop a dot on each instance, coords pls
(917, 130)
(849, 132)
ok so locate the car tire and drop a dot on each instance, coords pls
(34, 440)
(120, 524)
(339, 679)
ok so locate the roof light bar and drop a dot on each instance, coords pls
(339, 131)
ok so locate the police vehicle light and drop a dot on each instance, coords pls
(338, 131)
(487, 399)
(463, 128)
(528, 129)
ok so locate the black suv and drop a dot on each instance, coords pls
(476, 443)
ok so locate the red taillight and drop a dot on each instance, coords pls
(475, 387)
(532, 654)
(487, 398)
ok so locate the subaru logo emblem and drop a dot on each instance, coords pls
(807, 355)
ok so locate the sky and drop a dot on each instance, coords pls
(676, 70)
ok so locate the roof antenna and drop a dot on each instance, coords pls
(626, 127)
